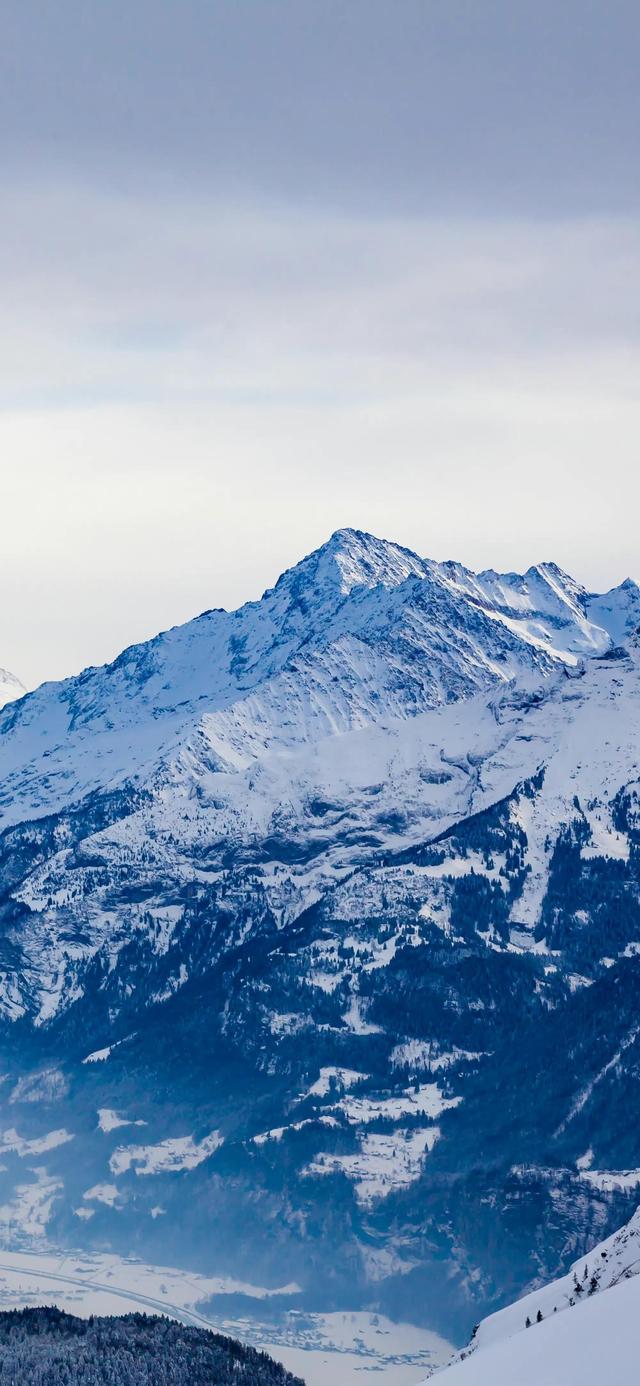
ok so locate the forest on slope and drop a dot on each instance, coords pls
(46, 1347)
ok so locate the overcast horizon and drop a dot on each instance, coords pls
(271, 269)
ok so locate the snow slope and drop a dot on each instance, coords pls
(588, 1334)
(595, 1345)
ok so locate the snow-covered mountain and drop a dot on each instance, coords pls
(279, 889)
(537, 1340)
(10, 688)
(358, 633)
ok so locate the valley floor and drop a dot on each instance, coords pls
(349, 1347)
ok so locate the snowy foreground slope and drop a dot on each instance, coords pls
(597, 1345)
(588, 1333)
(320, 938)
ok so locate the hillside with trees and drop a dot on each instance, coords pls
(46, 1347)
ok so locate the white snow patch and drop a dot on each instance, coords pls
(423, 1054)
(426, 1100)
(383, 1162)
(277, 1132)
(99, 1056)
(606, 841)
(26, 1216)
(102, 1193)
(354, 1019)
(37, 1145)
(340, 1077)
(108, 1120)
(290, 1023)
(577, 982)
(178, 1152)
(472, 864)
(611, 1181)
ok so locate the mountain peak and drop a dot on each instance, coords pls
(363, 560)
(352, 558)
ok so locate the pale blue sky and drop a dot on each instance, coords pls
(271, 268)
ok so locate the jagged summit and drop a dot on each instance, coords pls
(359, 632)
(350, 558)
(618, 610)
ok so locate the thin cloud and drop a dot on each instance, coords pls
(270, 269)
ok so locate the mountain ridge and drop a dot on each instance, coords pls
(170, 677)
(280, 886)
